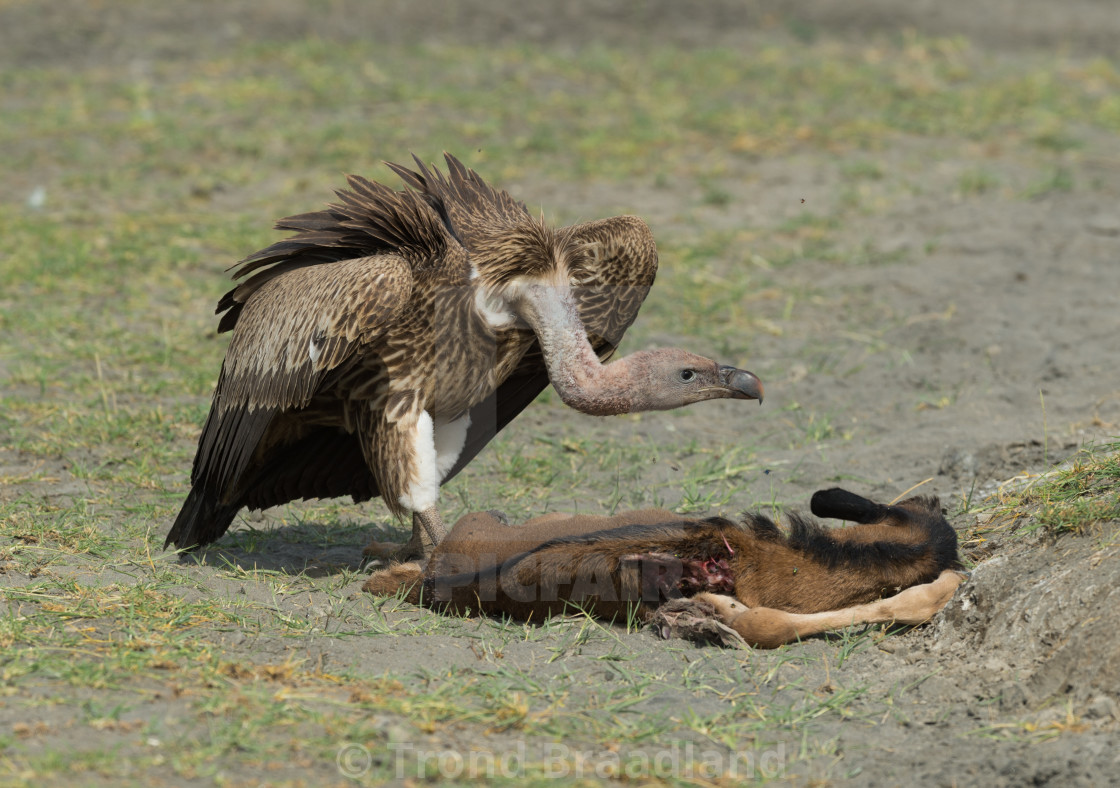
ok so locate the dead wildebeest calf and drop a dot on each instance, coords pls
(685, 575)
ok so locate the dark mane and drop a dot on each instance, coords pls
(818, 542)
(930, 535)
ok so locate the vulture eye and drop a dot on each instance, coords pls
(687, 376)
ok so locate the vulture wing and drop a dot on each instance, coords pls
(346, 273)
(610, 280)
(297, 328)
(308, 303)
(304, 323)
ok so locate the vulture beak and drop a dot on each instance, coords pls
(740, 383)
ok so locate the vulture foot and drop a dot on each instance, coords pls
(395, 552)
(427, 531)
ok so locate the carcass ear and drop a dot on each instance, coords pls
(838, 504)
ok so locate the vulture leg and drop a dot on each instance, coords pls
(403, 449)
(432, 524)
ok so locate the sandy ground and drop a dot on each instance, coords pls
(989, 351)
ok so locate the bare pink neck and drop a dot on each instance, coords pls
(583, 382)
(600, 389)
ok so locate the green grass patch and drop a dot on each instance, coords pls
(1081, 495)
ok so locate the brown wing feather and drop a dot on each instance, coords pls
(295, 329)
(326, 463)
(612, 272)
(302, 324)
(469, 205)
(370, 219)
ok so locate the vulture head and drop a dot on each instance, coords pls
(671, 378)
(661, 379)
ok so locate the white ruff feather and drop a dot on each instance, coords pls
(450, 438)
(495, 310)
(423, 487)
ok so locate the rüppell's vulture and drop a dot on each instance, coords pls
(380, 347)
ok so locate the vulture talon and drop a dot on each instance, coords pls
(411, 551)
(379, 553)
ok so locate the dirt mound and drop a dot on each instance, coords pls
(1040, 622)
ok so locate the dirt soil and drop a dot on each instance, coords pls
(989, 351)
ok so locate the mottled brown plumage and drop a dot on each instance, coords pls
(377, 349)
